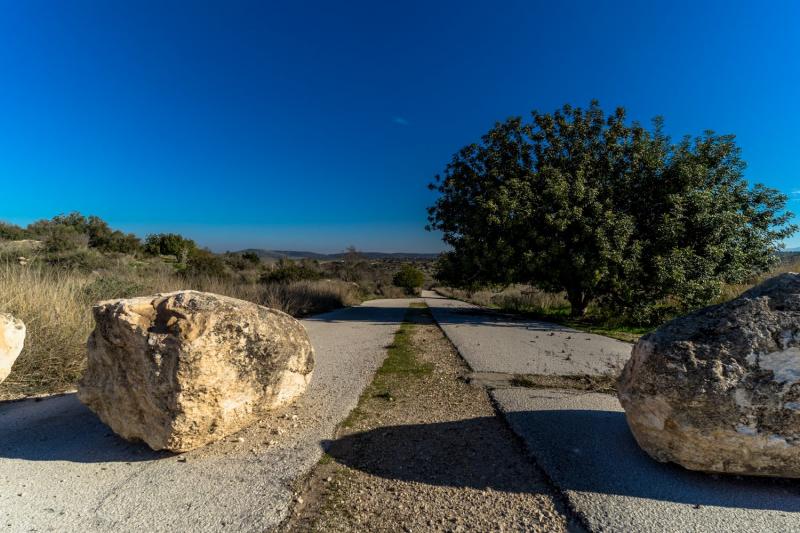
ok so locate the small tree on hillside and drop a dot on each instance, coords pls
(409, 278)
(170, 244)
(581, 202)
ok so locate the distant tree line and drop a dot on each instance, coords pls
(606, 211)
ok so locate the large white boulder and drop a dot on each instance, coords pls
(718, 390)
(12, 337)
(183, 369)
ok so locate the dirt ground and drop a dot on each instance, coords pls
(425, 451)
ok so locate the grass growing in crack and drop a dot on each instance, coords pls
(401, 362)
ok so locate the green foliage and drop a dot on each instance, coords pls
(12, 232)
(289, 271)
(409, 278)
(97, 233)
(169, 244)
(242, 261)
(82, 259)
(252, 258)
(204, 263)
(58, 238)
(581, 202)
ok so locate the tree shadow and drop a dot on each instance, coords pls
(595, 453)
(61, 428)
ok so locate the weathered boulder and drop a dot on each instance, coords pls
(12, 337)
(183, 369)
(718, 390)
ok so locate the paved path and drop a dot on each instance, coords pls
(63, 470)
(500, 343)
(583, 443)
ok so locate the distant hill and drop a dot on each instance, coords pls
(295, 254)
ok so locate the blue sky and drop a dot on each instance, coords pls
(316, 125)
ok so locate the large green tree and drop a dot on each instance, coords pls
(586, 203)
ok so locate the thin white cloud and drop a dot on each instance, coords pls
(400, 121)
(796, 193)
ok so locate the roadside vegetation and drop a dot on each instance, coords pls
(604, 224)
(530, 302)
(52, 271)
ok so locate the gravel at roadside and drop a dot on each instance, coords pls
(425, 451)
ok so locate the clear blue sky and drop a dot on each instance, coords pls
(311, 125)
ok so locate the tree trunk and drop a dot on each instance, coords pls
(578, 302)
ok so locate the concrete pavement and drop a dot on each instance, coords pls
(493, 342)
(583, 443)
(61, 469)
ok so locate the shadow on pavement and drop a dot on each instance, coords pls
(596, 454)
(60, 428)
(477, 453)
(594, 451)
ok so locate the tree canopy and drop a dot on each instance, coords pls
(586, 203)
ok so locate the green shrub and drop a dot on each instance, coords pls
(61, 238)
(84, 259)
(205, 263)
(289, 272)
(409, 278)
(169, 244)
(252, 258)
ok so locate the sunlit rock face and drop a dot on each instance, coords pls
(12, 338)
(183, 369)
(718, 390)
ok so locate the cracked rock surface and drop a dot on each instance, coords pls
(718, 390)
(183, 369)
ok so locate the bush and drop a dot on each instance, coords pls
(289, 272)
(409, 278)
(169, 244)
(11, 232)
(60, 238)
(205, 263)
(252, 258)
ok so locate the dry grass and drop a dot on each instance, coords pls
(730, 292)
(513, 298)
(55, 306)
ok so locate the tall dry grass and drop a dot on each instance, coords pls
(731, 291)
(55, 306)
(513, 298)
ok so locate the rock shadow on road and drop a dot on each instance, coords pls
(583, 442)
(606, 459)
(462, 453)
(60, 428)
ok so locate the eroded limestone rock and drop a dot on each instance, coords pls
(183, 369)
(12, 338)
(718, 390)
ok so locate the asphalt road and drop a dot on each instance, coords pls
(493, 342)
(62, 470)
(583, 443)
